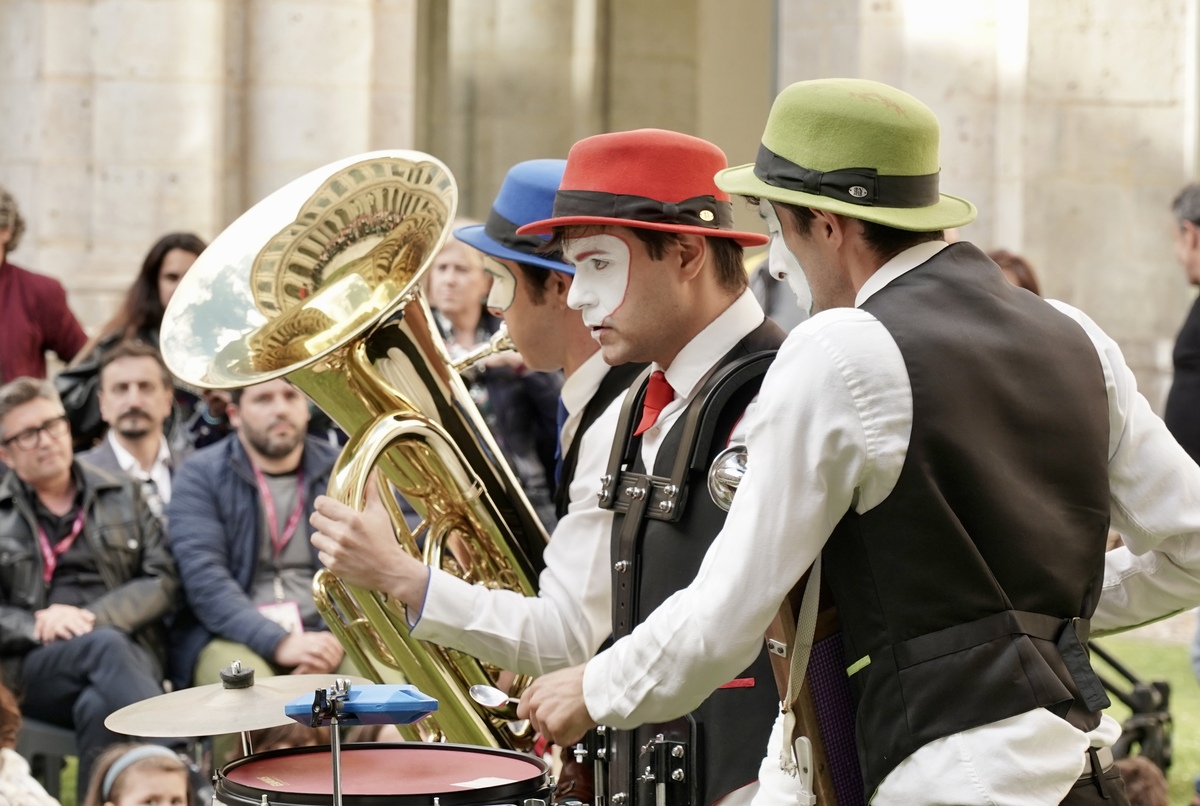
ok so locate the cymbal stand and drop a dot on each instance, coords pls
(327, 705)
(247, 745)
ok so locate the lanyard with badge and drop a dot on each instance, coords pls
(51, 553)
(285, 613)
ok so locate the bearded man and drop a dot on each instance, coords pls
(239, 527)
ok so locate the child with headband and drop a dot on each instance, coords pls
(132, 774)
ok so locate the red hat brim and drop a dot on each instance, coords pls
(548, 225)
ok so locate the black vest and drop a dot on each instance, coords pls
(964, 595)
(616, 381)
(718, 747)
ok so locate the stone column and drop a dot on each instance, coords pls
(127, 119)
(1070, 125)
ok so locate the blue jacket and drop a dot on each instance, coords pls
(214, 519)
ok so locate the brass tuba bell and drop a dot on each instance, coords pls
(318, 283)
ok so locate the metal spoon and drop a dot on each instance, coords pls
(495, 700)
(501, 705)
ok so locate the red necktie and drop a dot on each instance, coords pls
(658, 394)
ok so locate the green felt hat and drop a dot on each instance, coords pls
(853, 147)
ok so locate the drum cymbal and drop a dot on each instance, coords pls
(212, 710)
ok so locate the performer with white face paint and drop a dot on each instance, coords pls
(569, 618)
(783, 264)
(659, 278)
(950, 452)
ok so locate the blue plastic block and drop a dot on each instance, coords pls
(370, 705)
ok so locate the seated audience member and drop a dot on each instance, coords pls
(136, 393)
(1145, 784)
(17, 786)
(196, 421)
(239, 528)
(85, 577)
(1017, 270)
(519, 406)
(34, 316)
(139, 775)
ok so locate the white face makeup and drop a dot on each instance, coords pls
(782, 263)
(504, 284)
(601, 276)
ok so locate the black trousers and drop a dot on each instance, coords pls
(78, 683)
(1109, 792)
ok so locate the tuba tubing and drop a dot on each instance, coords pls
(318, 284)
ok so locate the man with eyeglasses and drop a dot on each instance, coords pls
(85, 577)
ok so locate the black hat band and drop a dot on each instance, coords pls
(698, 211)
(504, 232)
(862, 186)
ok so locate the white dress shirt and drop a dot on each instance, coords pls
(830, 433)
(693, 362)
(684, 375)
(572, 613)
(160, 470)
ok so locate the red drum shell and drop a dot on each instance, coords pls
(382, 774)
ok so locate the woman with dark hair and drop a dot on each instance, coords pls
(200, 416)
(140, 315)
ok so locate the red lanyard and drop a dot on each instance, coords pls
(279, 541)
(50, 554)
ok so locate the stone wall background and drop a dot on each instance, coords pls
(1070, 123)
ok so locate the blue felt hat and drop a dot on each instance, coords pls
(526, 195)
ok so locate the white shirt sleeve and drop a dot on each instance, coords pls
(829, 431)
(571, 615)
(1155, 488)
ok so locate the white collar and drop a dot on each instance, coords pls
(707, 347)
(901, 264)
(581, 385)
(130, 465)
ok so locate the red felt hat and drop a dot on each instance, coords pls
(647, 178)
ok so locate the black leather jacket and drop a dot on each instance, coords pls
(131, 553)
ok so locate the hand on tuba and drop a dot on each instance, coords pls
(361, 548)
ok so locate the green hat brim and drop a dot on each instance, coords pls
(950, 211)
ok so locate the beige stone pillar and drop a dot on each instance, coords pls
(1070, 125)
(522, 79)
(127, 119)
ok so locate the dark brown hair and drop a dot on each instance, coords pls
(142, 308)
(1020, 268)
(535, 280)
(726, 252)
(132, 348)
(886, 242)
(10, 717)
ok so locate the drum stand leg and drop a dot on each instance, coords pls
(335, 741)
(328, 703)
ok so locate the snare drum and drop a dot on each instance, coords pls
(381, 774)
